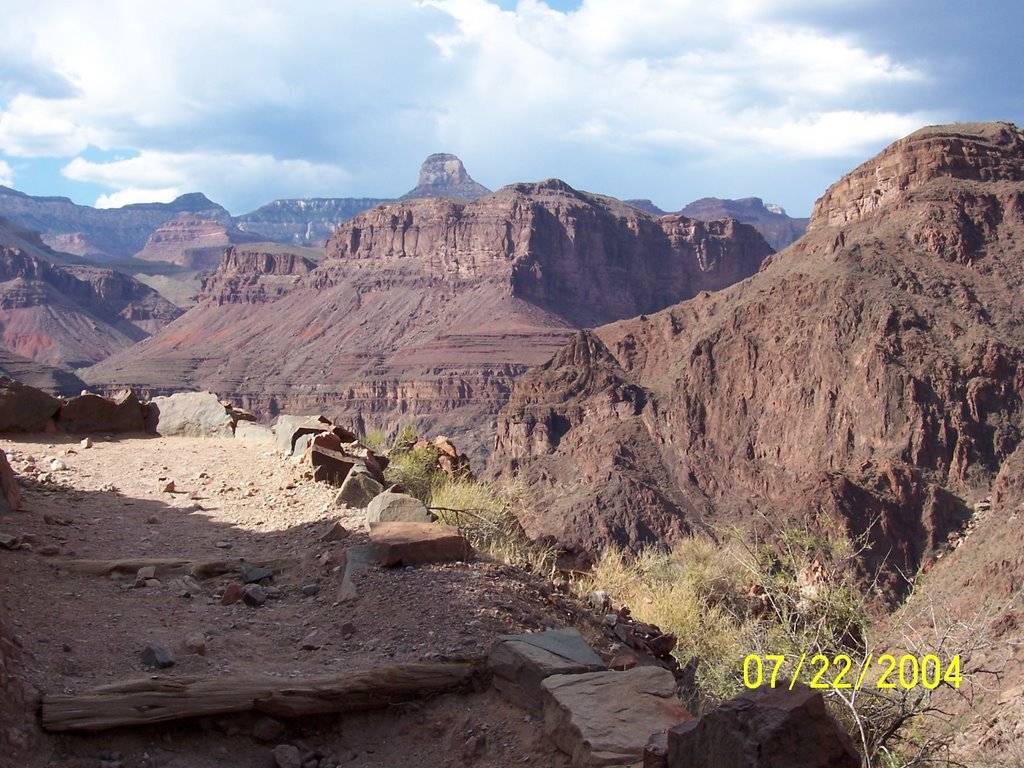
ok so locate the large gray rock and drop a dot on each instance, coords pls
(251, 433)
(766, 728)
(391, 507)
(520, 663)
(359, 489)
(24, 408)
(92, 413)
(606, 718)
(192, 414)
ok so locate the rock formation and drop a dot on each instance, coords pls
(428, 309)
(867, 380)
(192, 242)
(73, 315)
(309, 222)
(444, 175)
(104, 233)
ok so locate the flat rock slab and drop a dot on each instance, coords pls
(520, 663)
(391, 507)
(606, 718)
(358, 490)
(254, 434)
(402, 543)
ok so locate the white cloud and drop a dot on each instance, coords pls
(162, 176)
(213, 96)
(6, 174)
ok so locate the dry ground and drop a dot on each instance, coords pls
(233, 500)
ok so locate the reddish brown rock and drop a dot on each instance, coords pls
(867, 379)
(417, 543)
(25, 409)
(92, 413)
(768, 728)
(10, 491)
(440, 304)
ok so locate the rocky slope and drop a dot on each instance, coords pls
(779, 229)
(428, 309)
(104, 233)
(192, 242)
(72, 315)
(867, 380)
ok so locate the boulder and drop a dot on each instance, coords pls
(289, 428)
(606, 718)
(24, 408)
(359, 489)
(92, 413)
(417, 543)
(766, 728)
(10, 491)
(254, 434)
(191, 414)
(391, 507)
(520, 663)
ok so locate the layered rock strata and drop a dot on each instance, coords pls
(866, 382)
(428, 309)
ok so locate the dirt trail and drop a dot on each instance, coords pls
(231, 501)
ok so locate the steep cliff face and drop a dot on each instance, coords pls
(867, 380)
(428, 309)
(444, 175)
(309, 222)
(74, 315)
(256, 274)
(779, 229)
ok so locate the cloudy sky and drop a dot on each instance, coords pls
(118, 101)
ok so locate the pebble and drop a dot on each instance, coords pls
(166, 486)
(86, 443)
(314, 641)
(254, 595)
(287, 756)
(232, 594)
(252, 574)
(311, 589)
(222, 544)
(57, 465)
(154, 655)
(267, 729)
(195, 643)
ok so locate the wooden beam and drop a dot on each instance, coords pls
(158, 700)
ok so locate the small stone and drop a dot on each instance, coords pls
(232, 594)
(57, 466)
(7, 541)
(146, 572)
(222, 544)
(86, 443)
(153, 520)
(267, 729)
(166, 486)
(287, 756)
(314, 641)
(254, 595)
(347, 629)
(153, 583)
(154, 655)
(309, 590)
(338, 532)
(49, 550)
(195, 643)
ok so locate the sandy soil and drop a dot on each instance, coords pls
(232, 500)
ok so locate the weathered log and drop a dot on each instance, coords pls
(158, 700)
(166, 567)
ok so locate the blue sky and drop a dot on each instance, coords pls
(115, 101)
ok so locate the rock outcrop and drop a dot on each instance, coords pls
(309, 222)
(73, 315)
(779, 229)
(192, 242)
(428, 309)
(444, 175)
(868, 380)
(99, 233)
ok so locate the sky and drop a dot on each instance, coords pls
(118, 101)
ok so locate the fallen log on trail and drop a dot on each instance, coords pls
(166, 567)
(158, 700)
